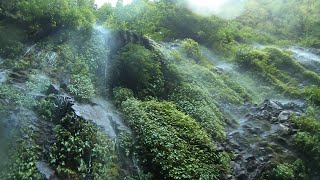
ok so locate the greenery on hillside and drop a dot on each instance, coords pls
(151, 63)
(295, 20)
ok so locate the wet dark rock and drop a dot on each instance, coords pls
(252, 166)
(250, 157)
(263, 134)
(284, 116)
(19, 77)
(229, 177)
(53, 89)
(242, 175)
(63, 104)
(3, 77)
(294, 107)
(270, 156)
(124, 37)
(64, 83)
(281, 141)
(46, 171)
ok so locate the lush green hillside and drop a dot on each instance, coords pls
(157, 90)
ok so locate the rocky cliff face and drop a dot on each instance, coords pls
(263, 137)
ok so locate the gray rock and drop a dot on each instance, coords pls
(3, 77)
(284, 116)
(242, 175)
(44, 169)
(53, 89)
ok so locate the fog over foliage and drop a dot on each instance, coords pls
(160, 89)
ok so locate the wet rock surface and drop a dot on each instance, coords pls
(46, 171)
(3, 77)
(102, 114)
(262, 135)
(307, 57)
(53, 89)
(124, 37)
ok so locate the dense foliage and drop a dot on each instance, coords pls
(172, 142)
(138, 69)
(81, 150)
(307, 139)
(180, 79)
(295, 20)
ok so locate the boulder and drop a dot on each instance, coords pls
(53, 89)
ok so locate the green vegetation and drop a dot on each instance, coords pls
(307, 140)
(81, 150)
(280, 69)
(292, 20)
(138, 69)
(172, 142)
(287, 171)
(22, 163)
(45, 16)
(174, 96)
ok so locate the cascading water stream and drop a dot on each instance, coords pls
(310, 58)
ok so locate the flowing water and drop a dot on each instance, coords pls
(102, 113)
(307, 57)
(251, 139)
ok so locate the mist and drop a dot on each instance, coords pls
(227, 9)
(99, 3)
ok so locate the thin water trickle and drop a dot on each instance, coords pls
(52, 58)
(307, 58)
(304, 55)
(29, 49)
(3, 77)
(102, 113)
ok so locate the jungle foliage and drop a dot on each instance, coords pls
(172, 96)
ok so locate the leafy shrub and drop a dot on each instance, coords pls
(193, 51)
(45, 15)
(307, 140)
(171, 144)
(45, 108)
(82, 151)
(197, 103)
(126, 142)
(138, 69)
(283, 172)
(313, 94)
(81, 86)
(287, 171)
(22, 163)
(121, 95)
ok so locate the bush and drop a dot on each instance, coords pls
(22, 162)
(307, 140)
(46, 15)
(138, 69)
(285, 171)
(82, 87)
(82, 151)
(313, 94)
(171, 144)
(192, 50)
(45, 108)
(121, 94)
(197, 103)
